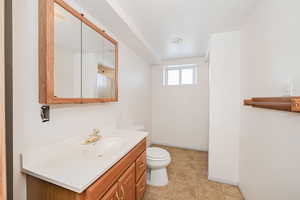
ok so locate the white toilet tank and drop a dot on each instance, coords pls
(141, 127)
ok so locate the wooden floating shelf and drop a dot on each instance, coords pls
(290, 104)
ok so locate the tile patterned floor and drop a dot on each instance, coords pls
(188, 180)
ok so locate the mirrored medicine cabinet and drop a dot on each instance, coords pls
(78, 62)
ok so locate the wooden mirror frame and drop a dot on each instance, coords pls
(46, 54)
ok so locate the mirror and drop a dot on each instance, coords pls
(78, 62)
(98, 65)
(67, 54)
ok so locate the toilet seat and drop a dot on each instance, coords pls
(156, 153)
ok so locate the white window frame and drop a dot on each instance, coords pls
(180, 68)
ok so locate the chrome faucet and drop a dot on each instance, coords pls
(93, 137)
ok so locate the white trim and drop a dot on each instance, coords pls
(180, 76)
(219, 180)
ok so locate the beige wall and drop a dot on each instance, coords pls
(180, 113)
(269, 140)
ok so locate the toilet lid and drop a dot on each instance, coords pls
(157, 153)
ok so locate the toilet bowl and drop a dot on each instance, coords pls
(157, 161)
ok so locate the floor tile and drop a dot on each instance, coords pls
(233, 198)
(188, 173)
(231, 190)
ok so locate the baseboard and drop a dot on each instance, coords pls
(223, 181)
(182, 147)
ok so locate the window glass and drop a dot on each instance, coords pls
(187, 76)
(173, 77)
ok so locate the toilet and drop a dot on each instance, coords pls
(157, 161)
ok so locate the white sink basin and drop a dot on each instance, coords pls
(103, 147)
(108, 144)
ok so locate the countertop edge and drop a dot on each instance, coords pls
(68, 187)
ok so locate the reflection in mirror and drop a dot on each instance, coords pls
(109, 57)
(67, 54)
(98, 65)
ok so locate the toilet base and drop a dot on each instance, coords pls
(157, 177)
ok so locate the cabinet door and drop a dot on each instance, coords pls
(113, 193)
(141, 165)
(141, 187)
(127, 184)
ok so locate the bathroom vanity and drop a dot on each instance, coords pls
(113, 169)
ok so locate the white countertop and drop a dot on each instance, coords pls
(75, 166)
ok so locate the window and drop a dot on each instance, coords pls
(173, 77)
(180, 75)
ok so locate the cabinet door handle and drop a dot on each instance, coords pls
(123, 192)
(117, 196)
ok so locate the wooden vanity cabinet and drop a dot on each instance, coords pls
(141, 187)
(126, 180)
(127, 184)
(124, 189)
(113, 193)
(141, 165)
